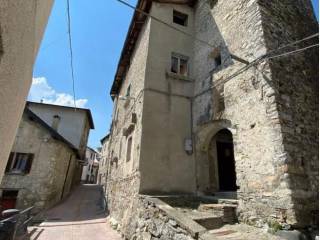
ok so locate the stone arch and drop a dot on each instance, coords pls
(209, 183)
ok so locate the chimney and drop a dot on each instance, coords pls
(55, 122)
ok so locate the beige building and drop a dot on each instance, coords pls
(22, 24)
(42, 168)
(193, 117)
(103, 163)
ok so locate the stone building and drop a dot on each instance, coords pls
(72, 123)
(45, 159)
(22, 24)
(42, 168)
(206, 107)
(91, 166)
(103, 163)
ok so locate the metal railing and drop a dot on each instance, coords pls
(16, 225)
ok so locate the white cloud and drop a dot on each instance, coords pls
(41, 90)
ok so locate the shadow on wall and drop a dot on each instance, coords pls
(296, 82)
(1, 47)
(209, 103)
(218, 58)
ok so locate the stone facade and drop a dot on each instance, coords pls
(54, 170)
(103, 163)
(268, 109)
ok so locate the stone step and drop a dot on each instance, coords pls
(210, 223)
(223, 234)
(226, 195)
(226, 211)
(221, 200)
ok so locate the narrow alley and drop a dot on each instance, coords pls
(79, 217)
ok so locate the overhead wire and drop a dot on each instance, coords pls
(266, 56)
(71, 53)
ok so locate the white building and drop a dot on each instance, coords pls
(91, 166)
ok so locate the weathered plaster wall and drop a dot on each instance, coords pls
(165, 166)
(22, 24)
(43, 186)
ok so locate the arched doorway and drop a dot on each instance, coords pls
(222, 160)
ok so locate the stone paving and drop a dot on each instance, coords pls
(79, 217)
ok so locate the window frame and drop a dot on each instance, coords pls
(181, 16)
(179, 57)
(15, 163)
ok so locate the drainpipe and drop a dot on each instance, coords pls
(65, 179)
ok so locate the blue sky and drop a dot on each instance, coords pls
(98, 29)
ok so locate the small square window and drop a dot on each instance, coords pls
(179, 64)
(180, 18)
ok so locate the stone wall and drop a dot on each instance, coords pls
(264, 129)
(150, 222)
(296, 94)
(123, 177)
(44, 185)
(259, 106)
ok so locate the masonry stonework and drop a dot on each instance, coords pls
(50, 178)
(269, 109)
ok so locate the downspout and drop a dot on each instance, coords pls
(65, 179)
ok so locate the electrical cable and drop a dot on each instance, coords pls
(71, 54)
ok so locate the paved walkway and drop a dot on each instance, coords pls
(79, 217)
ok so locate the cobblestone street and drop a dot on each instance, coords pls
(79, 217)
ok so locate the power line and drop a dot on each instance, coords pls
(71, 53)
(195, 38)
(164, 23)
(294, 51)
(241, 70)
(255, 62)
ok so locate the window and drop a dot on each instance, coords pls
(128, 91)
(19, 163)
(129, 148)
(180, 18)
(216, 55)
(179, 64)
(217, 60)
